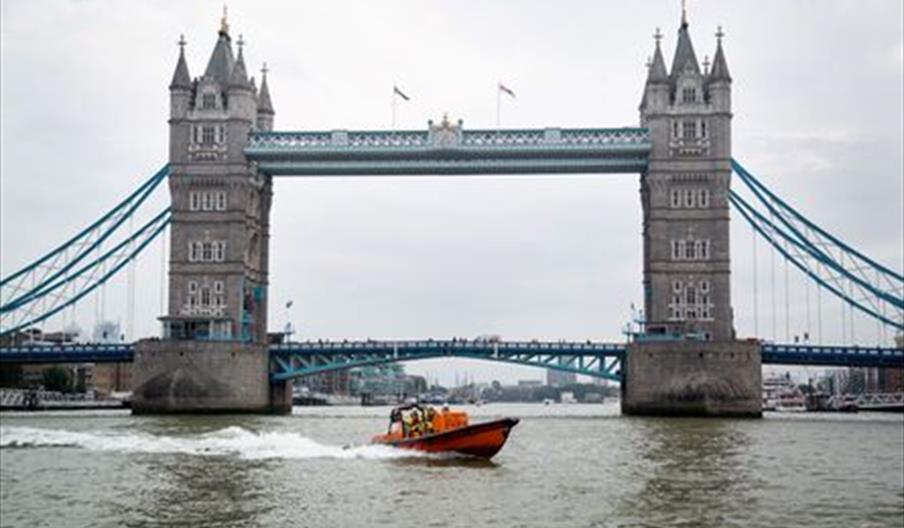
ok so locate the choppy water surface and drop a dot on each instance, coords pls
(564, 465)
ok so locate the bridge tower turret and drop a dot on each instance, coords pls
(221, 205)
(265, 111)
(685, 195)
(689, 362)
(214, 355)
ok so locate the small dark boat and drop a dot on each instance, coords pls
(445, 432)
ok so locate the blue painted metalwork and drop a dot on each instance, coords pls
(601, 360)
(62, 277)
(820, 252)
(448, 149)
(764, 227)
(126, 207)
(753, 182)
(120, 255)
(859, 281)
(839, 356)
(87, 353)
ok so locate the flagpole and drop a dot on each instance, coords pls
(498, 106)
(393, 106)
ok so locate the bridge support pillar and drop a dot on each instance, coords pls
(205, 377)
(692, 378)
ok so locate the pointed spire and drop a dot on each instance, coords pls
(657, 71)
(684, 52)
(181, 78)
(239, 76)
(264, 105)
(221, 62)
(720, 66)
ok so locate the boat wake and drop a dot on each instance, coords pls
(231, 441)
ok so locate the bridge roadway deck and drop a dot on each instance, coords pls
(541, 352)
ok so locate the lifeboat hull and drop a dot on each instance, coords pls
(480, 440)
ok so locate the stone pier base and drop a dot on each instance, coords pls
(205, 377)
(692, 378)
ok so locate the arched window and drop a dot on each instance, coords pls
(209, 101)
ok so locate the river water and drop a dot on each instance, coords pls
(564, 465)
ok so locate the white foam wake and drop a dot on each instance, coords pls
(231, 441)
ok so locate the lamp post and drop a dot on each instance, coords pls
(287, 331)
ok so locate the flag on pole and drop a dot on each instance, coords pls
(505, 89)
(400, 93)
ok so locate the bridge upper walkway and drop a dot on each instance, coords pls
(448, 149)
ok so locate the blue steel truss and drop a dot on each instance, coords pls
(592, 359)
(600, 360)
(448, 149)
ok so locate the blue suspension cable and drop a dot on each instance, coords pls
(749, 213)
(145, 188)
(133, 202)
(163, 222)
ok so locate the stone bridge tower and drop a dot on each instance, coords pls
(689, 362)
(684, 194)
(214, 355)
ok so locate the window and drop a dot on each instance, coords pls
(208, 101)
(688, 130)
(205, 296)
(702, 128)
(192, 294)
(219, 251)
(207, 251)
(675, 131)
(221, 134)
(691, 301)
(207, 201)
(689, 196)
(688, 95)
(207, 135)
(690, 250)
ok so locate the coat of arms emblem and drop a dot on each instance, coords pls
(445, 135)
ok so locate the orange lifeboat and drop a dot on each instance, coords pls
(426, 429)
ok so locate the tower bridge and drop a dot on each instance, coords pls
(224, 154)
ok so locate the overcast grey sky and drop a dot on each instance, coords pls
(818, 117)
